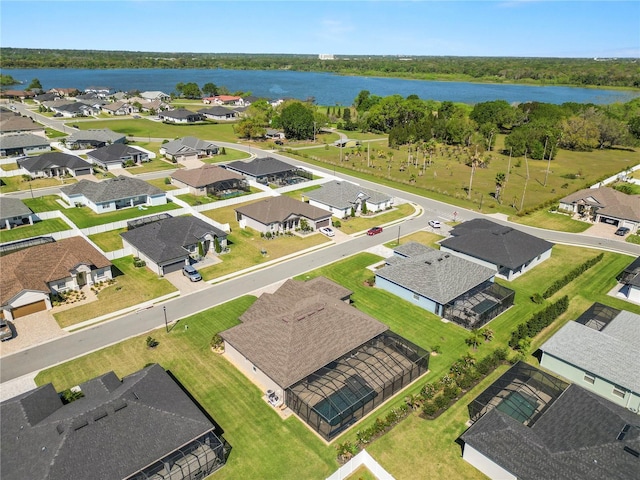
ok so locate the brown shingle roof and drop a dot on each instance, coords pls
(278, 209)
(32, 268)
(611, 202)
(298, 329)
(19, 124)
(205, 175)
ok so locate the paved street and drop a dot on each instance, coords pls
(101, 335)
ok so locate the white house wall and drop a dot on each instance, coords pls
(409, 296)
(485, 465)
(634, 294)
(250, 370)
(27, 297)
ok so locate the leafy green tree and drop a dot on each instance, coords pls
(250, 127)
(634, 127)
(296, 119)
(35, 85)
(210, 89)
(188, 90)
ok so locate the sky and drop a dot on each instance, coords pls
(513, 28)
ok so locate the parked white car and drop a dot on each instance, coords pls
(434, 223)
(328, 231)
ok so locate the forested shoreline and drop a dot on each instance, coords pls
(609, 72)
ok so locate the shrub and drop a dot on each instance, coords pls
(538, 322)
(167, 181)
(429, 409)
(558, 284)
(537, 298)
(337, 223)
(151, 342)
(441, 401)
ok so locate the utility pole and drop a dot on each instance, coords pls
(546, 175)
(166, 324)
(526, 180)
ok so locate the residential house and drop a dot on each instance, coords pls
(630, 279)
(347, 143)
(17, 94)
(272, 133)
(46, 97)
(605, 205)
(143, 426)
(113, 194)
(149, 105)
(64, 92)
(117, 155)
(506, 249)
(306, 347)
(538, 429)
(55, 164)
(211, 180)
(180, 115)
(218, 113)
(341, 198)
(30, 276)
(276, 215)
(222, 100)
(188, 148)
(121, 107)
(269, 170)
(155, 95)
(15, 124)
(444, 284)
(14, 213)
(168, 244)
(95, 138)
(73, 109)
(599, 353)
(247, 101)
(100, 92)
(23, 144)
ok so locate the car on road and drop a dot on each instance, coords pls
(622, 231)
(434, 223)
(5, 330)
(374, 231)
(328, 231)
(191, 273)
(279, 142)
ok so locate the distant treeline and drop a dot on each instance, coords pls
(610, 72)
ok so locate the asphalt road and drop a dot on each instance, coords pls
(99, 336)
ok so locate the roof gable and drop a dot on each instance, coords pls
(206, 175)
(261, 166)
(343, 195)
(278, 209)
(112, 189)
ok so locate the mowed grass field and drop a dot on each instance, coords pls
(265, 446)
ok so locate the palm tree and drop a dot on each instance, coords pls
(474, 339)
(487, 333)
(500, 180)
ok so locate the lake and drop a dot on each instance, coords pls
(327, 88)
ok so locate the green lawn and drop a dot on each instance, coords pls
(264, 446)
(267, 447)
(84, 217)
(359, 224)
(161, 184)
(37, 229)
(551, 221)
(231, 154)
(7, 167)
(109, 241)
(133, 286)
(15, 184)
(149, 129)
(155, 165)
(193, 200)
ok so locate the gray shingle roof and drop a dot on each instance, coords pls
(188, 144)
(431, 273)
(217, 111)
(278, 209)
(112, 189)
(343, 195)
(495, 243)
(165, 239)
(574, 438)
(117, 429)
(180, 114)
(101, 135)
(297, 330)
(13, 207)
(261, 166)
(113, 152)
(611, 353)
(52, 160)
(22, 140)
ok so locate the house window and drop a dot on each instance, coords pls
(589, 378)
(416, 296)
(618, 392)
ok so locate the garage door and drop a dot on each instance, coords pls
(610, 221)
(29, 309)
(323, 223)
(172, 267)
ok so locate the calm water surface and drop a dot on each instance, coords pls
(328, 89)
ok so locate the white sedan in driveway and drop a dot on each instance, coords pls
(328, 231)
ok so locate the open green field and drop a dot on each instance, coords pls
(552, 221)
(109, 241)
(39, 228)
(264, 446)
(445, 176)
(144, 128)
(84, 217)
(133, 286)
(15, 184)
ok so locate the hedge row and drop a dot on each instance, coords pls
(538, 322)
(558, 284)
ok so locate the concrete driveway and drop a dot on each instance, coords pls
(31, 330)
(185, 285)
(604, 230)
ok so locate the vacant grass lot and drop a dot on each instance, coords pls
(161, 184)
(109, 241)
(37, 229)
(84, 217)
(15, 184)
(267, 447)
(149, 129)
(133, 286)
(359, 224)
(552, 221)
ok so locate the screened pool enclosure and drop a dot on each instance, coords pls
(334, 397)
